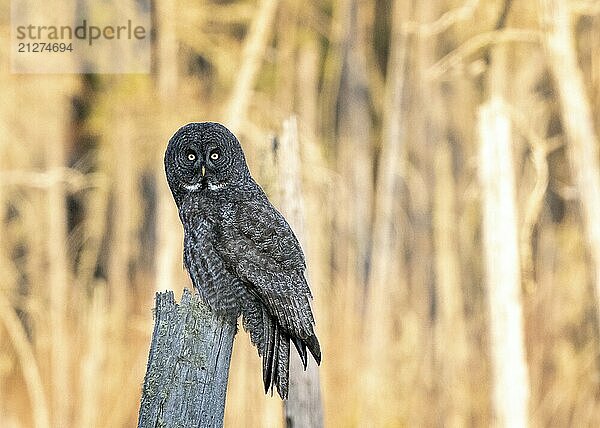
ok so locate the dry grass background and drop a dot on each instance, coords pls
(386, 94)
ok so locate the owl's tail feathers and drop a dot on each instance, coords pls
(276, 359)
(313, 346)
(301, 347)
(273, 346)
(273, 343)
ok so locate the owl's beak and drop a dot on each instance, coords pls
(203, 170)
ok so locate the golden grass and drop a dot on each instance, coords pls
(88, 231)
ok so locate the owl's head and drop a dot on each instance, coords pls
(204, 157)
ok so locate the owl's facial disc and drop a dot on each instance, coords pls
(204, 157)
(203, 168)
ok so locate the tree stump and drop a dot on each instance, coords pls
(188, 366)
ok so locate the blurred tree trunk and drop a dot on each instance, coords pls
(255, 45)
(386, 281)
(50, 130)
(353, 190)
(450, 343)
(510, 378)
(425, 131)
(577, 121)
(307, 86)
(354, 153)
(287, 48)
(303, 407)
(316, 181)
(168, 234)
(54, 137)
(450, 333)
(420, 180)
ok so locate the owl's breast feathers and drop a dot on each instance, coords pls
(216, 283)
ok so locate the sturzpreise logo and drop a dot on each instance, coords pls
(80, 36)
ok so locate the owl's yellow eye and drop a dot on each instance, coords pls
(214, 155)
(191, 156)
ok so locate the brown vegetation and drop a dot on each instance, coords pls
(448, 154)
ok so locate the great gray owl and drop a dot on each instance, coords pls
(241, 254)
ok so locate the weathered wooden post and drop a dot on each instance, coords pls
(188, 366)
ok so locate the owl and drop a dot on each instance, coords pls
(241, 254)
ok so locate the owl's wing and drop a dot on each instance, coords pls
(264, 252)
(259, 223)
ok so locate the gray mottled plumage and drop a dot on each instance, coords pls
(241, 254)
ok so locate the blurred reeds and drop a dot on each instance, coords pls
(386, 94)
